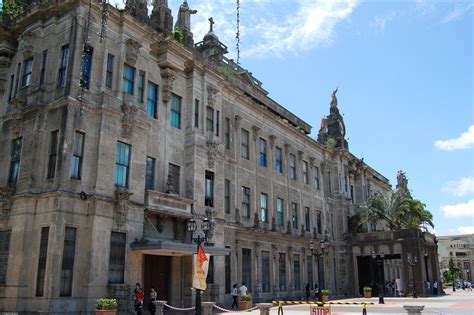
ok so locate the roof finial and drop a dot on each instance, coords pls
(211, 22)
(334, 98)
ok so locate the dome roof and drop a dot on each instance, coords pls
(211, 36)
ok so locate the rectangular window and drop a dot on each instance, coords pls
(152, 100)
(227, 134)
(15, 156)
(319, 222)
(305, 173)
(218, 123)
(77, 153)
(150, 173)
(227, 196)
(307, 222)
(173, 178)
(228, 271)
(12, 84)
(17, 82)
(43, 254)
(294, 215)
(329, 182)
(316, 178)
(141, 86)
(209, 119)
(262, 161)
(175, 111)
(196, 113)
(117, 257)
(247, 267)
(292, 166)
(282, 271)
(297, 272)
(264, 207)
(67, 268)
(246, 201)
(209, 197)
(27, 71)
(43, 67)
(128, 82)
(346, 184)
(278, 159)
(122, 164)
(4, 252)
(86, 67)
(63, 66)
(53, 154)
(309, 270)
(352, 194)
(266, 272)
(109, 72)
(244, 144)
(279, 207)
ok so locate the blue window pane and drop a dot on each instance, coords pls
(128, 79)
(175, 111)
(75, 167)
(152, 99)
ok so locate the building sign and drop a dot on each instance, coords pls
(319, 310)
(200, 268)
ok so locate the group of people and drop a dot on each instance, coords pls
(432, 289)
(139, 298)
(236, 292)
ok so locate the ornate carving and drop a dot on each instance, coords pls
(131, 51)
(256, 131)
(129, 113)
(274, 224)
(5, 202)
(26, 44)
(312, 159)
(288, 227)
(211, 95)
(237, 120)
(302, 230)
(256, 221)
(212, 151)
(237, 216)
(184, 23)
(300, 155)
(287, 148)
(334, 98)
(122, 196)
(168, 76)
(161, 17)
(271, 139)
(402, 181)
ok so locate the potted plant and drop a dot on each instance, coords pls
(245, 302)
(367, 292)
(325, 295)
(105, 306)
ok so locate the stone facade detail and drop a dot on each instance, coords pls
(168, 76)
(132, 48)
(122, 197)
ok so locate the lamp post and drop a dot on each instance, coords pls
(192, 227)
(318, 251)
(378, 258)
(412, 263)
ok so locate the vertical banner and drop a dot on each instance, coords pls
(200, 268)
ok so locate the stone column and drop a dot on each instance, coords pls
(413, 309)
(264, 308)
(207, 308)
(159, 306)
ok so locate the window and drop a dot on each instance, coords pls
(266, 272)
(63, 66)
(227, 196)
(4, 251)
(77, 153)
(210, 271)
(128, 79)
(43, 254)
(352, 194)
(294, 215)
(264, 207)
(209, 197)
(12, 84)
(152, 99)
(278, 156)
(305, 173)
(17, 77)
(141, 87)
(109, 72)
(43, 67)
(263, 153)
(175, 111)
(297, 272)
(122, 164)
(292, 166)
(15, 155)
(307, 222)
(279, 207)
(319, 223)
(346, 186)
(246, 201)
(227, 134)
(218, 123)
(173, 178)
(329, 182)
(244, 144)
(150, 173)
(27, 71)
(196, 113)
(282, 271)
(209, 119)
(227, 272)
(86, 67)
(53, 154)
(117, 257)
(247, 267)
(309, 270)
(67, 268)
(316, 178)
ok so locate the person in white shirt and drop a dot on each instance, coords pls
(234, 294)
(435, 287)
(243, 289)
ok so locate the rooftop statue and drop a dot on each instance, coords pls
(334, 98)
(184, 17)
(402, 180)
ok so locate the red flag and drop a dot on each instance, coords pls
(201, 255)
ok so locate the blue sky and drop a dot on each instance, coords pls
(405, 75)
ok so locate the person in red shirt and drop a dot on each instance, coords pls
(139, 297)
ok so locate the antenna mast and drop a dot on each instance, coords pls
(237, 34)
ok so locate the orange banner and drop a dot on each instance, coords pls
(200, 269)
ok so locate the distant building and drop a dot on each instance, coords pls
(461, 249)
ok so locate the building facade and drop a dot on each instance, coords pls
(117, 129)
(461, 249)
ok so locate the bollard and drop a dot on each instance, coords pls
(413, 309)
(264, 308)
(207, 307)
(364, 309)
(159, 306)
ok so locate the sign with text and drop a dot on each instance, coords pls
(319, 310)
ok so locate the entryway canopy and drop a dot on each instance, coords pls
(169, 248)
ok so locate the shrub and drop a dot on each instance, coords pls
(246, 297)
(106, 304)
(367, 289)
(325, 292)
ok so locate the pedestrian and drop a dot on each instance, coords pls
(428, 288)
(308, 291)
(235, 295)
(243, 289)
(435, 287)
(139, 297)
(153, 297)
(316, 292)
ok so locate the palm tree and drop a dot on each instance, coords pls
(413, 214)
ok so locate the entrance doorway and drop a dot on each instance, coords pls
(157, 274)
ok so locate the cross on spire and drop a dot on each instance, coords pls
(211, 22)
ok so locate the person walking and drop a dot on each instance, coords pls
(153, 297)
(243, 289)
(139, 297)
(428, 288)
(435, 287)
(235, 295)
(316, 292)
(307, 291)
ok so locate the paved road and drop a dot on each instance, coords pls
(454, 303)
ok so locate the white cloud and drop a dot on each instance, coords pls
(459, 10)
(459, 188)
(466, 229)
(379, 22)
(464, 141)
(459, 210)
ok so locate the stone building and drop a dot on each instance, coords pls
(461, 249)
(115, 134)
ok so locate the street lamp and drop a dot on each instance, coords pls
(412, 263)
(192, 227)
(379, 261)
(318, 251)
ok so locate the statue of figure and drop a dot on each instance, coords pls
(161, 17)
(334, 98)
(402, 180)
(184, 17)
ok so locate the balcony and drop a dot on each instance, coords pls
(168, 204)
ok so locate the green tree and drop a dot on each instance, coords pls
(452, 273)
(10, 10)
